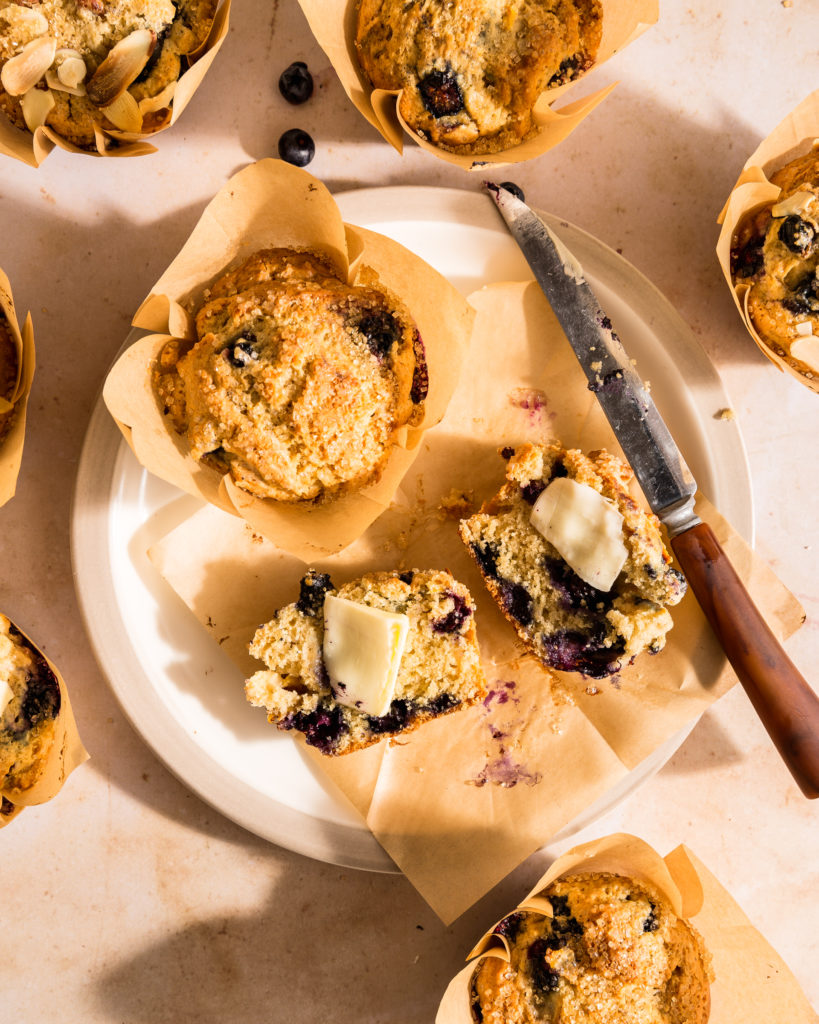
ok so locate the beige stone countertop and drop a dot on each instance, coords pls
(127, 898)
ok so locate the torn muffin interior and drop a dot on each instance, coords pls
(613, 952)
(376, 657)
(585, 583)
(298, 383)
(30, 701)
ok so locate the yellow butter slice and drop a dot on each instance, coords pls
(363, 647)
(585, 528)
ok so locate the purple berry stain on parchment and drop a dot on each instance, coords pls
(533, 402)
(501, 769)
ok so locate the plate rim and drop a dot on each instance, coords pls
(298, 831)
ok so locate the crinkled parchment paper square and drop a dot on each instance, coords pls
(333, 24)
(792, 137)
(752, 981)
(269, 204)
(462, 801)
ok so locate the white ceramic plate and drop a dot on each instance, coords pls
(164, 668)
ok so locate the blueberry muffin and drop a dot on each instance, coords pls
(614, 952)
(314, 681)
(298, 384)
(29, 707)
(775, 252)
(9, 370)
(566, 616)
(470, 72)
(79, 66)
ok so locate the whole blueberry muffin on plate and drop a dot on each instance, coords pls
(9, 371)
(614, 952)
(470, 72)
(299, 383)
(79, 66)
(376, 657)
(574, 563)
(775, 252)
(30, 702)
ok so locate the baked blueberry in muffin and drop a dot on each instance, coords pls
(9, 370)
(470, 72)
(376, 657)
(614, 952)
(577, 567)
(775, 256)
(79, 66)
(29, 707)
(299, 383)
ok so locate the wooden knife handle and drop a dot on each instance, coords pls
(786, 704)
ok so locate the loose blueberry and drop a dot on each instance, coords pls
(516, 190)
(454, 620)
(242, 352)
(507, 452)
(296, 147)
(518, 602)
(312, 588)
(797, 234)
(381, 330)
(441, 93)
(296, 83)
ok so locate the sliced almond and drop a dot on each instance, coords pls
(72, 71)
(37, 104)
(163, 99)
(121, 67)
(24, 19)
(124, 113)
(53, 82)
(24, 71)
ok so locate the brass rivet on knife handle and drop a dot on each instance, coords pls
(786, 704)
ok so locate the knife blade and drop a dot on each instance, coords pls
(784, 701)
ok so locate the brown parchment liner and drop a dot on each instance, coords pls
(11, 445)
(463, 800)
(752, 981)
(66, 754)
(33, 148)
(333, 24)
(271, 203)
(792, 137)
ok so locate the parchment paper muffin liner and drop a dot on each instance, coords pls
(752, 982)
(463, 800)
(33, 147)
(333, 23)
(266, 204)
(792, 137)
(66, 754)
(13, 435)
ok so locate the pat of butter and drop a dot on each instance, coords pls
(806, 350)
(363, 647)
(586, 529)
(6, 695)
(796, 204)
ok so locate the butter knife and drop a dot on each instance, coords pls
(786, 704)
